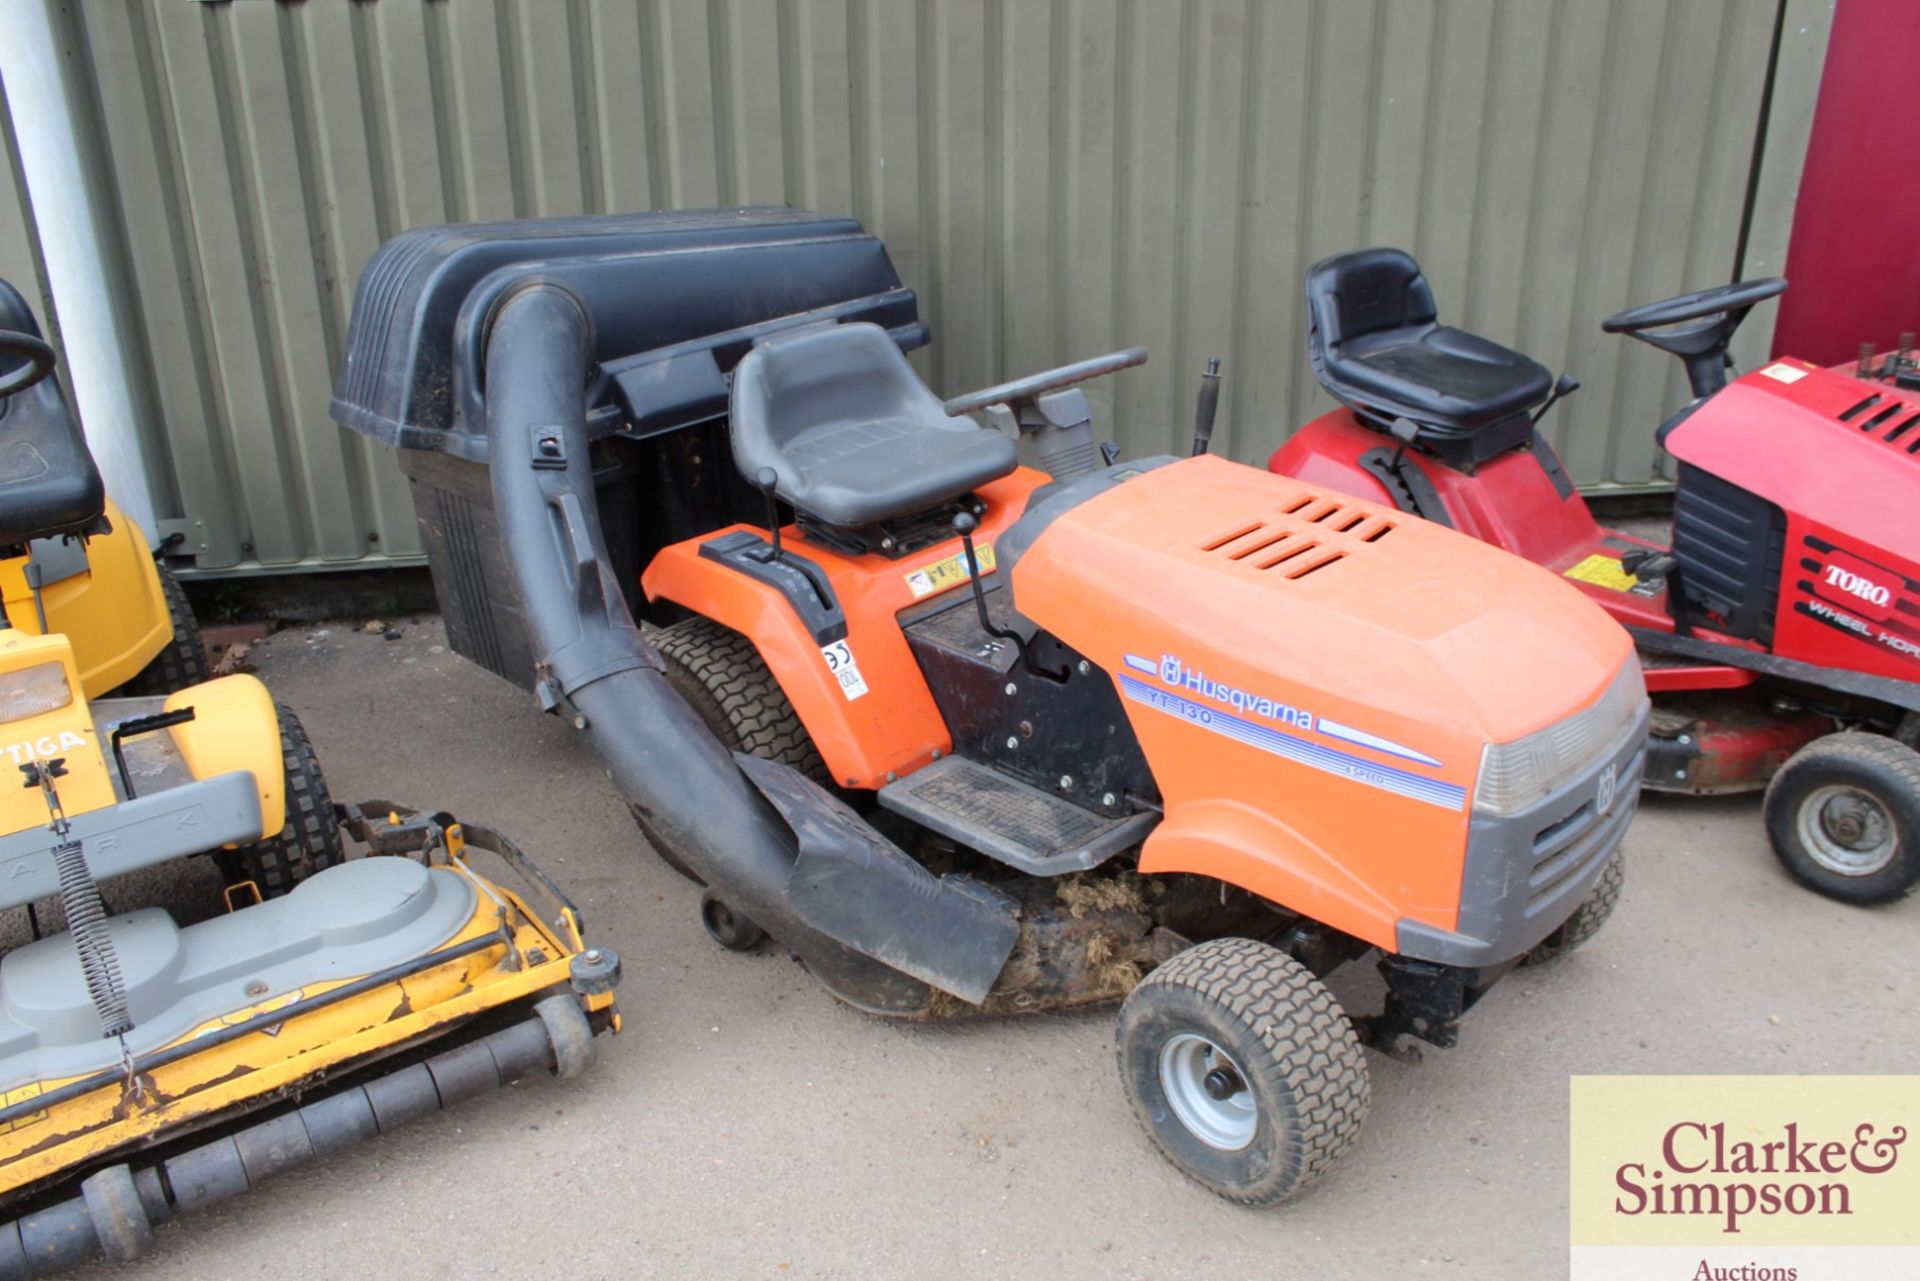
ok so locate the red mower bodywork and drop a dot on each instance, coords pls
(1788, 607)
(1797, 437)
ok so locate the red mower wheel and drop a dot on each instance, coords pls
(1844, 816)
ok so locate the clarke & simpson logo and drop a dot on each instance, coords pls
(1744, 1178)
(1701, 1172)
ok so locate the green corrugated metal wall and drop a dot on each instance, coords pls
(1055, 178)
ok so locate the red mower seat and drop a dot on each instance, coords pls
(1377, 346)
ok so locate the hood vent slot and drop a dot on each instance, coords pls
(1215, 544)
(1895, 421)
(1314, 531)
(1859, 407)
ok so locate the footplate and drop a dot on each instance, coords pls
(1009, 820)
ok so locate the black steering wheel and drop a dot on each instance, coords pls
(34, 356)
(1697, 327)
(1050, 380)
(1737, 297)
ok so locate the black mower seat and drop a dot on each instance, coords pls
(49, 485)
(1375, 344)
(849, 430)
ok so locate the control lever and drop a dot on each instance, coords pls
(1207, 406)
(964, 524)
(764, 480)
(1406, 431)
(136, 725)
(1648, 565)
(1566, 386)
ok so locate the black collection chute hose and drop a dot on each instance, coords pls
(682, 783)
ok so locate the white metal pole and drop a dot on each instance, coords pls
(39, 73)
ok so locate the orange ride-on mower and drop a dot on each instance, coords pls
(1780, 631)
(966, 737)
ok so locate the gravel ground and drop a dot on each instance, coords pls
(745, 1125)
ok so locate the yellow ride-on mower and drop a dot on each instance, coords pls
(127, 1030)
(125, 615)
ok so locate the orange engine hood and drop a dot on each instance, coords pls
(1312, 678)
(1273, 584)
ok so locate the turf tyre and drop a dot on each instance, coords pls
(729, 686)
(1880, 778)
(1573, 933)
(1294, 1050)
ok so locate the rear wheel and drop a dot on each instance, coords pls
(723, 678)
(310, 840)
(1243, 1069)
(1844, 816)
(1588, 917)
(183, 661)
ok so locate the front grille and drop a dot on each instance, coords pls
(1573, 843)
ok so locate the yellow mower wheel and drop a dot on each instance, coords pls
(569, 1033)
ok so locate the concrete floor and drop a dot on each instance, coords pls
(747, 1126)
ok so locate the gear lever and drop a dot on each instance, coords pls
(964, 524)
(764, 480)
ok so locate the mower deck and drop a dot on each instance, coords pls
(370, 957)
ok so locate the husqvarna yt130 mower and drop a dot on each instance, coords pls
(963, 735)
(163, 1065)
(1780, 631)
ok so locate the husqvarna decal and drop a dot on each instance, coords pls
(1283, 737)
(1334, 729)
(1181, 675)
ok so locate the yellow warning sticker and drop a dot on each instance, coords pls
(21, 1095)
(1604, 571)
(950, 572)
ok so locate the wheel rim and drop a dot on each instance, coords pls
(1208, 1092)
(1846, 830)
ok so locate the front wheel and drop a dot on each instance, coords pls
(1843, 814)
(1587, 918)
(309, 841)
(1243, 1069)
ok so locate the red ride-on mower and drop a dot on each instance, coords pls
(1780, 633)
